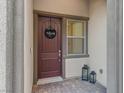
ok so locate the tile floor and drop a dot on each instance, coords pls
(70, 86)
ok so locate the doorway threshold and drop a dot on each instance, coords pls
(49, 80)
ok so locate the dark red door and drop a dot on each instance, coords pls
(49, 48)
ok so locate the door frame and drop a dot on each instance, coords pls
(63, 18)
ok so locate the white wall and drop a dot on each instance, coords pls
(28, 46)
(73, 67)
(72, 7)
(98, 38)
(3, 31)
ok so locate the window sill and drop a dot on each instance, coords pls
(77, 56)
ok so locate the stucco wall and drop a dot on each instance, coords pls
(72, 7)
(97, 37)
(3, 30)
(28, 46)
(73, 67)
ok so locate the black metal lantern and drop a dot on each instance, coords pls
(93, 77)
(85, 72)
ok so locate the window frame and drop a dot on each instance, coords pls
(85, 38)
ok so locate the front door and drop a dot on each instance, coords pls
(49, 47)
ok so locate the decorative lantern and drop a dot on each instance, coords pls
(85, 71)
(93, 77)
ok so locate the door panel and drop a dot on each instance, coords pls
(49, 59)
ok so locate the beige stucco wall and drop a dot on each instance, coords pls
(72, 7)
(28, 46)
(97, 37)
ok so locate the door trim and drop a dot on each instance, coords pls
(59, 15)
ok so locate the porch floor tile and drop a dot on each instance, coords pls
(70, 86)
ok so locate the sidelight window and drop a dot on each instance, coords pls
(76, 38)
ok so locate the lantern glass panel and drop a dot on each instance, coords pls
(91, 78)
(85, 71)
(85, 74)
